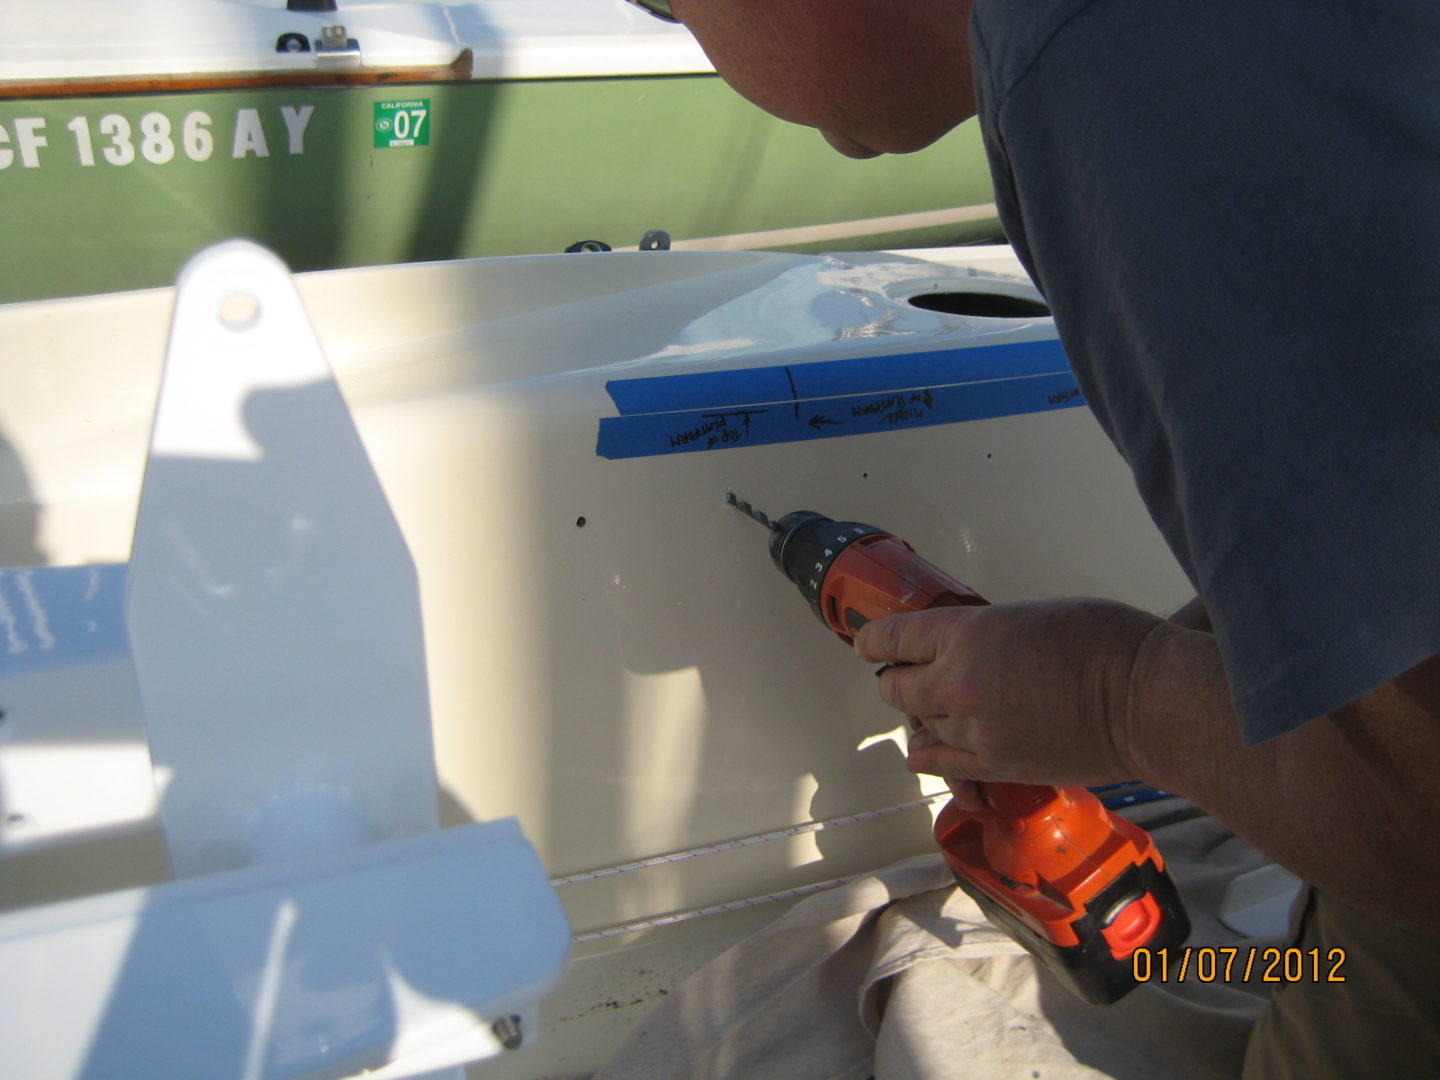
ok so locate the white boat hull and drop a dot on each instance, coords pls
(612, 657)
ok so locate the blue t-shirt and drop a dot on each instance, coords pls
(1233, 209)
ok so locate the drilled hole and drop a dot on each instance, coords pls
(239, 311)
(580, 522)
(986, 305)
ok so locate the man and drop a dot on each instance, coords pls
(1233, 209)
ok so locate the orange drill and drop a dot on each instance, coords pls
(1079, 887)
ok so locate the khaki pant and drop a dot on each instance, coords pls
(1382, 1021)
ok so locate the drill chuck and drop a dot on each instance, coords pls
(804, 545)
(850, 573)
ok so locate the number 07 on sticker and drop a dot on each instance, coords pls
(402, 123)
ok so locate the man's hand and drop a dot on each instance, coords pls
(1091, 692)
(1032, 692)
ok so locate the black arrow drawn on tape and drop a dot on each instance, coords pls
(817, 420)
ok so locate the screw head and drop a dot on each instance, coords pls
(507, 1030)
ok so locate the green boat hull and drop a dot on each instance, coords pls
(103, 193)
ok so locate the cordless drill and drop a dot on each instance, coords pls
(1079, 887)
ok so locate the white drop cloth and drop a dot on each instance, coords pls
(898, 976)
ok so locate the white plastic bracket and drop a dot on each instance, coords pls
(321, 926)
(273, 609)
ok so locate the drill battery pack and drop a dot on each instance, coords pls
(1079, 887)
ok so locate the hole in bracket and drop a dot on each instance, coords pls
(239, 311)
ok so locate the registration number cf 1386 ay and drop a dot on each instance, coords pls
(113, 138)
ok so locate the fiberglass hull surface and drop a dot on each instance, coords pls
(612, 656)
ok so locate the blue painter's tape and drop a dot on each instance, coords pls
(834, 378)
(689, 430)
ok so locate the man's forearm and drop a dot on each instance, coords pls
(1342, 800)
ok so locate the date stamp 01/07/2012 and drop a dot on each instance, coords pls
(1228, 963)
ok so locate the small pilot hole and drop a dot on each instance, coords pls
(580, 522)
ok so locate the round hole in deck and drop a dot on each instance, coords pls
(580, 522)
(239, 311)
(986, 305)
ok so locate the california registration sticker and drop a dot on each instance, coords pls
(402, 123)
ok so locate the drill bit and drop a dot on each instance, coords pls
(748, 510)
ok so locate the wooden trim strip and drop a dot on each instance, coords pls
(457, 71)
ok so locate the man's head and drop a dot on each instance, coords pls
(875, 76)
